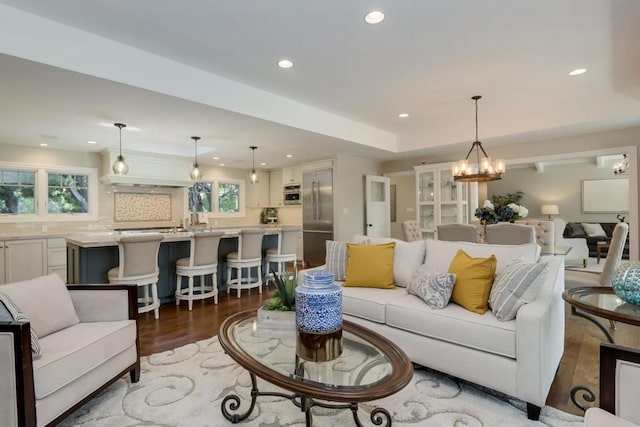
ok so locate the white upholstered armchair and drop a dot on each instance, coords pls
(579, 252)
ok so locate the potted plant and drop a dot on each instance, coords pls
(278, 313)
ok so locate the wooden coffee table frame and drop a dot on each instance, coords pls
(305, 393)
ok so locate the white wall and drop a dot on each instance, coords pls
(348, 195)
(558, 185)
(405, 202)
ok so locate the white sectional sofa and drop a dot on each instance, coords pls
(517, 357)
(88, 338)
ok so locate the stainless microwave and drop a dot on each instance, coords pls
(291, 195)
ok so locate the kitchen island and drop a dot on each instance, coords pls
(90, 256)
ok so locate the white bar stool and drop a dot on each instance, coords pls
(138, 265)
(249, 255)
(202, 261)
(286, 250)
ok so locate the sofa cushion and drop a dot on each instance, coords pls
(408, 256)
(46, 302)
(594, 230)
(433, 288)
(368, 303)
(453, 324)
(574, 229)
(440, 253)
(518, 284)
(370, 266)
(9, 312)
(70, 353)
(336, 259)
(474, 277)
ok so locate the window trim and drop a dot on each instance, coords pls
(42, 194)
(215, 204)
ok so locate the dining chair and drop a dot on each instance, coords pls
(505, 233)
(457, 232)
(411, 230)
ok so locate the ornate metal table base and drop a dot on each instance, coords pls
(588, 395)
(232, 403)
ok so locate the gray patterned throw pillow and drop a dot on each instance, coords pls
(516, 285)
(433, 288)
(336, 260)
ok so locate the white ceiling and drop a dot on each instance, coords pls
(208, 68)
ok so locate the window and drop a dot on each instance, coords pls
(17, 192)
(47, 193)
(223, 197)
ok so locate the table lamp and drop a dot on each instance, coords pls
(549, 210)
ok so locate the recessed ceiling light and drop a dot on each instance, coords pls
(44, 144)
(403, 115)
(374, 17)
(263, 164)
(285, 63)
(288, 156)
(221, 164)
(578, 71)
(216, 158)
(91, 142)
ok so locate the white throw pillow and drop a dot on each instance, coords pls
(407, 257)
(594, 230)
(433, 288)
(440, 253)
(518, 284)
(46, 302)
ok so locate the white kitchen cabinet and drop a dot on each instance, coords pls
(440, 200)
(275, 188)
(292, 175)
(24, 259)
(57, 257)
(258, 194)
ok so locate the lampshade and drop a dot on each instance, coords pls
(549, 210)
(120, 167)
(485, 169)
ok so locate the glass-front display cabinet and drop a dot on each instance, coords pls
(440, 200)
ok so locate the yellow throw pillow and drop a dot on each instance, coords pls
(474, 277)
(370, 266)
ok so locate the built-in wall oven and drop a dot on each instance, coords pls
(292, 194)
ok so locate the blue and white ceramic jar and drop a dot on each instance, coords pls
(319, 317)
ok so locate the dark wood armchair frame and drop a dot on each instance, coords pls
(24, 365)
(609, 355)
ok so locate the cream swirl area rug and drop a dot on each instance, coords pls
(185, 387)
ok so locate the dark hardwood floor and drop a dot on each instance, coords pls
(178, 326)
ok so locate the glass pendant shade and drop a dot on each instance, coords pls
(196, 173)
(120, 167)
(253, 178)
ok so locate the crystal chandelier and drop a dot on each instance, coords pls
(485, 169)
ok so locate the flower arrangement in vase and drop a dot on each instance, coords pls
(506, 208)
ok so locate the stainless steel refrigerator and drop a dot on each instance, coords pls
(317, 214)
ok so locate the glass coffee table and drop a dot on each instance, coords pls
(370, 367)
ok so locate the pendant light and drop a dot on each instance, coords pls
(485, 169)
(195, 174)
(254, 176)
(120, 167)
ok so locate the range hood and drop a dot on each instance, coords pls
(147, 170)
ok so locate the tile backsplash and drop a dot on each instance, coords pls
(142, 207)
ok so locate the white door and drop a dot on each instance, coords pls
(378, 206)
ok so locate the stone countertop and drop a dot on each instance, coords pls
(110, 238)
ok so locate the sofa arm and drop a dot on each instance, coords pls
(104, 303)
(17, 396)
(540, 336)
